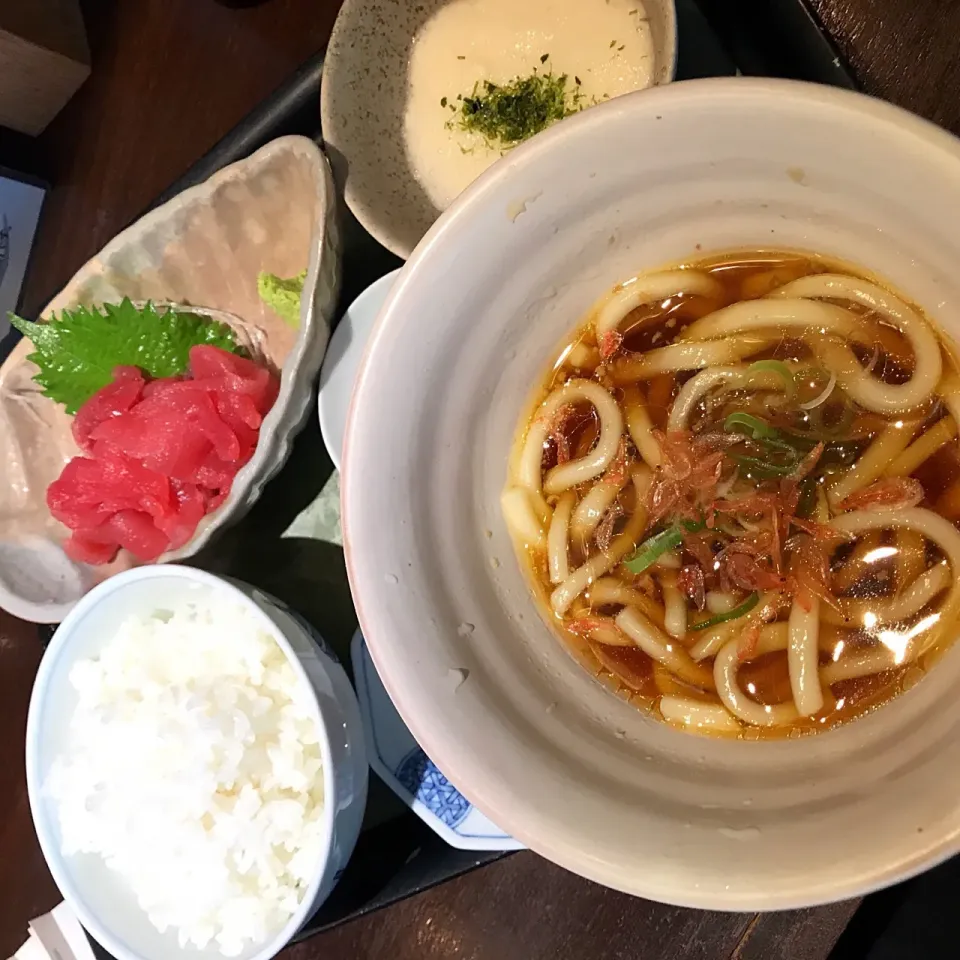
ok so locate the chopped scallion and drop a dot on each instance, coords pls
(654, 547)
(738, 611)
(780, 369)
(747, 423)
(764, 469)
(783, 456)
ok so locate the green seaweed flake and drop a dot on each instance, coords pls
(507, 114)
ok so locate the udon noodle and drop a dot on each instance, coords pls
(738, 491)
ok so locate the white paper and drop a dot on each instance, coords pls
(19, 211)
(56, 936)
(31, 950)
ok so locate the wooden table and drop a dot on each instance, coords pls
(170, 78)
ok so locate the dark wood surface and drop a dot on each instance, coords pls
(170, 77)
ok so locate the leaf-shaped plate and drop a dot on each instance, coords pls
(274, 211)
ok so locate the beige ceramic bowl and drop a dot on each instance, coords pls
(543, 749)
(362, 103)
(273, 211)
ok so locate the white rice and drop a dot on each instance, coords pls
(193, 768)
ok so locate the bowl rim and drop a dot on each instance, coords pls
(493, 800)
(380, 227)
(57, 648)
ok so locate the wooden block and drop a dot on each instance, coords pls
(44, 58)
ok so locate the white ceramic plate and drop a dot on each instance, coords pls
(538, 745)
(342, 362)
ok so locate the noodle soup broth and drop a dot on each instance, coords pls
(737, 491)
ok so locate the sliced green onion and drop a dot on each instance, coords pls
(653, 548)
(822, 397)
(783, 447)
(656, 546)
(747, 423)
(780, 369)
(817, 426)
(770, 438)
(799, 442)
(837, 429)
(763, 468)
(811, 378)
(734, 614)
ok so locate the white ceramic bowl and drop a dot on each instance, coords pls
(362, 103)
(539, 746)
(103, 903)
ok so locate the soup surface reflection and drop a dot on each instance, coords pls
(737, 493)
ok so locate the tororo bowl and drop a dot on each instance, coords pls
(363, 100)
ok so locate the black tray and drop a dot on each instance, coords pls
(397, 855)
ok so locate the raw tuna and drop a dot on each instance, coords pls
(112, 400)
(160, 455)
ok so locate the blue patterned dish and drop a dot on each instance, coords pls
(398, 760)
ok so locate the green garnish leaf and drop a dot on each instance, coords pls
(543, 59)
(509, 113)
(77, 351)
(282, 296)
(738, 611)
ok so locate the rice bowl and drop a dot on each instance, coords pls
(122, 905)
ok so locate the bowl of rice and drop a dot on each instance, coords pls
(195, 766)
